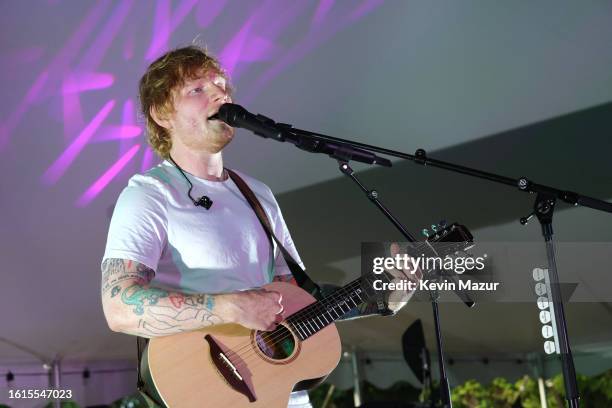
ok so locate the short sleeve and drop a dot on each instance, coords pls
(138, 228)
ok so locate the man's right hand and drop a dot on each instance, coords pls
(258, 309)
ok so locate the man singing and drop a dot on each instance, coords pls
(185, 250)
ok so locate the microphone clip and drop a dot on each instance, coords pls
(203, 201)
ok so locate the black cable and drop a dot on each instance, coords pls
(203, 201)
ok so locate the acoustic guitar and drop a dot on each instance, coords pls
(229, 365)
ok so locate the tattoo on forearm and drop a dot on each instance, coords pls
(162, 312)
(115, 271)
(137, 295)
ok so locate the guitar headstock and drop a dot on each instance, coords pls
(455, 236)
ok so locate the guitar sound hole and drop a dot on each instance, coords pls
(277, 344)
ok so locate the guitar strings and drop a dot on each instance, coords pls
(310, 312)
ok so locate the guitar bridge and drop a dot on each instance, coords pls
(228, 370)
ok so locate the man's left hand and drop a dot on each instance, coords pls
(399, 298)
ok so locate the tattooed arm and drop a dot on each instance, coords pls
(131, 305)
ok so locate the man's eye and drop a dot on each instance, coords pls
(196, 90)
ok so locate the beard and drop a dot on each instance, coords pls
(210, 137)
(219, 136)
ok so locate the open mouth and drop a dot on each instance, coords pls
(214, 116)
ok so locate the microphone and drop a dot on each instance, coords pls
(236, 116)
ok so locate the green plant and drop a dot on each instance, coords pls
(471, 394)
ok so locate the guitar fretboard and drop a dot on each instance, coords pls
(316, 316)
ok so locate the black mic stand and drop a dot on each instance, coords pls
(543, 209)
(445, 394)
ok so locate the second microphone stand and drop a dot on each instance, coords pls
(445, 394)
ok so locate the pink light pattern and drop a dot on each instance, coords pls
(128, 122)
(256, 39)
(270, 31)
(13, 120)
(73, 115)
(321, 11)
(364, 8)
(207, 11)
(87, 81)
(107, 177)
(165, 23)
(328, 26)
(147, 159)
(231, 54)
(57, 169)
(107, 133)
(98, 48)
(53, 70)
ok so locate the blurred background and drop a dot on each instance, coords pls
(514, 88)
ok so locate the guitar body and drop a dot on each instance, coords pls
(256, 369)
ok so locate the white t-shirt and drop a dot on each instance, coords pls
(191, 249)
(194, 250)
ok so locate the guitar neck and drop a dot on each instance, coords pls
(318, 315)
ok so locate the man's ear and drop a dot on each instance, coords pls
(159, 119)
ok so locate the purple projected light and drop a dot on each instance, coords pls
(326, 23)
(73, 115)
(53, 71)
(58, 168)
(322, 10)
(114, 132)
(147, 160)
(208, 11)
(87, 81)
(128, 122)
(231, 54)
(165, 24)
(107, 177)
(95, 61)
(15, 116)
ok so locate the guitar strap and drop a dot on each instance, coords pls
(298, 273)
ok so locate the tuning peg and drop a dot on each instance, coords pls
(525, 220)
(425, 232)
(434, 227)
(442, 224)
